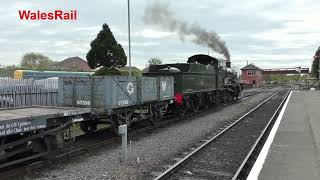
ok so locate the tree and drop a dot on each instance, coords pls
(105, 51)
(7, 71)
(154, 61)
(36, 61)
(315, 64)
(315, 68)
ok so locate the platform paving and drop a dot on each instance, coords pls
(295, 151)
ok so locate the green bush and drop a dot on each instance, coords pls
(104, 71)
(107, 71)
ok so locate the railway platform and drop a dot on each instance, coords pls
(294, 147)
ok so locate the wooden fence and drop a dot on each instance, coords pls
(28, 92)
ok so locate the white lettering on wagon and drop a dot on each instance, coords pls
(77, 112)
(163, 85)
(123, 102)
(20, 127)
(130, 88)
(77, 119)
(83, 103)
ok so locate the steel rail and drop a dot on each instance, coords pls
(176, 166)
(84, 149)
(244, 162)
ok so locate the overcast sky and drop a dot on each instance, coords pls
(268, 33)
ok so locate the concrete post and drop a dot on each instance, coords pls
(124, 133)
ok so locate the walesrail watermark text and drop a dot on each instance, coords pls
(49, 15)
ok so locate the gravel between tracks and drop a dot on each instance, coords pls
(221, 158)
(147, 151)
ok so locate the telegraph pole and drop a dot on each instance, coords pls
(130, 73)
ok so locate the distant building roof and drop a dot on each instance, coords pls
(72, 64)
(250, 67)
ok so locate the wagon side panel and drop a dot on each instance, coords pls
(148, 89)
(123, 91)
(166, 87)
(75, 92)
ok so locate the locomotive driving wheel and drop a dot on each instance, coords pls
(195, 104)
(182, 109)
(225, 97)
(204, 102)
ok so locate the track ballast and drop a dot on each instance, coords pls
(224, 155)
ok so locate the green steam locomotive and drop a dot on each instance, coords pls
(202, 81)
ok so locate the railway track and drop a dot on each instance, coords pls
(231, 153)
(86, 144)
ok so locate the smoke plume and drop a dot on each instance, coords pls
(159, 14)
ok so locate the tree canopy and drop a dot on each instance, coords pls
(106, 51)
(315, 64)
(154, 61)
(36, 61)
(315, 68)
(7, 71)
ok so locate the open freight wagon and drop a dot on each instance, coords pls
(117, 100)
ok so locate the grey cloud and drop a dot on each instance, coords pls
(232, 19)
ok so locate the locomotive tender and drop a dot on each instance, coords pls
(116, 100)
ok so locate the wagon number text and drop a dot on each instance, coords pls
(123, 102)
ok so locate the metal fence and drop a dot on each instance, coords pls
(28, 92)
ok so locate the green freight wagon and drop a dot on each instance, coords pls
(118, 99)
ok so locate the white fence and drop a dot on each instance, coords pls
(28, 92)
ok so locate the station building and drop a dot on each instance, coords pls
(251, 76)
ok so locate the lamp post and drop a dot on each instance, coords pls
(130, 73)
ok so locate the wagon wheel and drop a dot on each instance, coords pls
(155, 117)
(217, 98)
(204, 102)
(14, 152)
(88, 126)
(121, 119)
(230, 97)
(38, 145)
(225, 97)
(115, 124)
